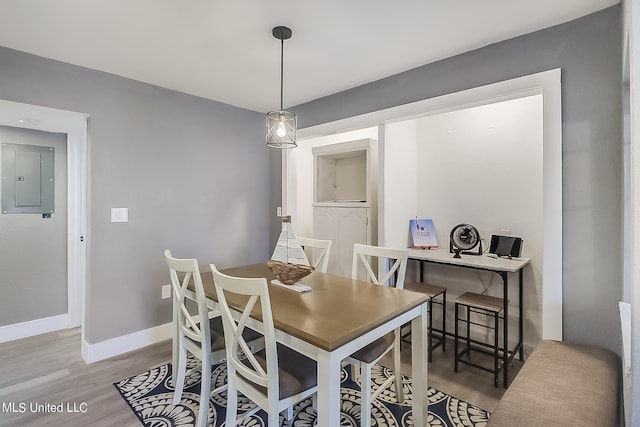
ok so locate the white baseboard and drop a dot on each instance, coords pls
(33, 327)
(112, 347)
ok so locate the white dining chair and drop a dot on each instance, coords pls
(320, 251)
(201, 334)
(368, 356)
(275, 378)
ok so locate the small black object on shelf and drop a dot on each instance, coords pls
(506, 246)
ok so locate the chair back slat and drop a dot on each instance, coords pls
(320, 251)
(238, 354)
(195, 327)
(362, 254)
(255, 373)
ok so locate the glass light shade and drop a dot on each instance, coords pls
(281, 129)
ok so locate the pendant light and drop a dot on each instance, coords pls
(281, 125)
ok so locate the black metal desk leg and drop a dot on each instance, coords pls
(505, 355)
(521, 317)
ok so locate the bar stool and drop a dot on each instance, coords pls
(485, 305)
(432, 291)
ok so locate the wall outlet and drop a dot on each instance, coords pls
(166, 291)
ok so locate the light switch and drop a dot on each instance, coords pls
(119, 214)
(166, 291)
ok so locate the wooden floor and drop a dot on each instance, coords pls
(470, 384)
(48, 370)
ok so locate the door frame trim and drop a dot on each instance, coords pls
(74, 125)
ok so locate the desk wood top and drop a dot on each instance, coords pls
(484, 262)
(335, 311)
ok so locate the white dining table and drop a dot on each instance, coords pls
(337, 317)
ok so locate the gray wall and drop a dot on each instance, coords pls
(35, 286)
(195, 175)
(588, 51)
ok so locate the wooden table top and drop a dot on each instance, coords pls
(335, 311)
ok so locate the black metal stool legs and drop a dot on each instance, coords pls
(430, 331)
(468, 333)
(496, 357)
(483, 305)
(455, 342)
(444, 319)
(433, 292)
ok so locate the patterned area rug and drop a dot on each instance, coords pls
(149, 395)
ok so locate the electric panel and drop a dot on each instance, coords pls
(27, 179)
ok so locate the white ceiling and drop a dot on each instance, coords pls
(224, 50)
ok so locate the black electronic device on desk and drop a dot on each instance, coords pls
(505, 246)
(464, 239)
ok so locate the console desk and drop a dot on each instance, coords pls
(502, 267)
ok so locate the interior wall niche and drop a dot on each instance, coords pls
(546, 83)
(483, 166)
(301, 195)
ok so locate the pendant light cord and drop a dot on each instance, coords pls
(281, 73)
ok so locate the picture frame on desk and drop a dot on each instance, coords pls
(423, 233)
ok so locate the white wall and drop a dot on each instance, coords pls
(400, 183)
(480, 165)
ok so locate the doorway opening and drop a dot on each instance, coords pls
(74, 125)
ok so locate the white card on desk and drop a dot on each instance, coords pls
(298, 287)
